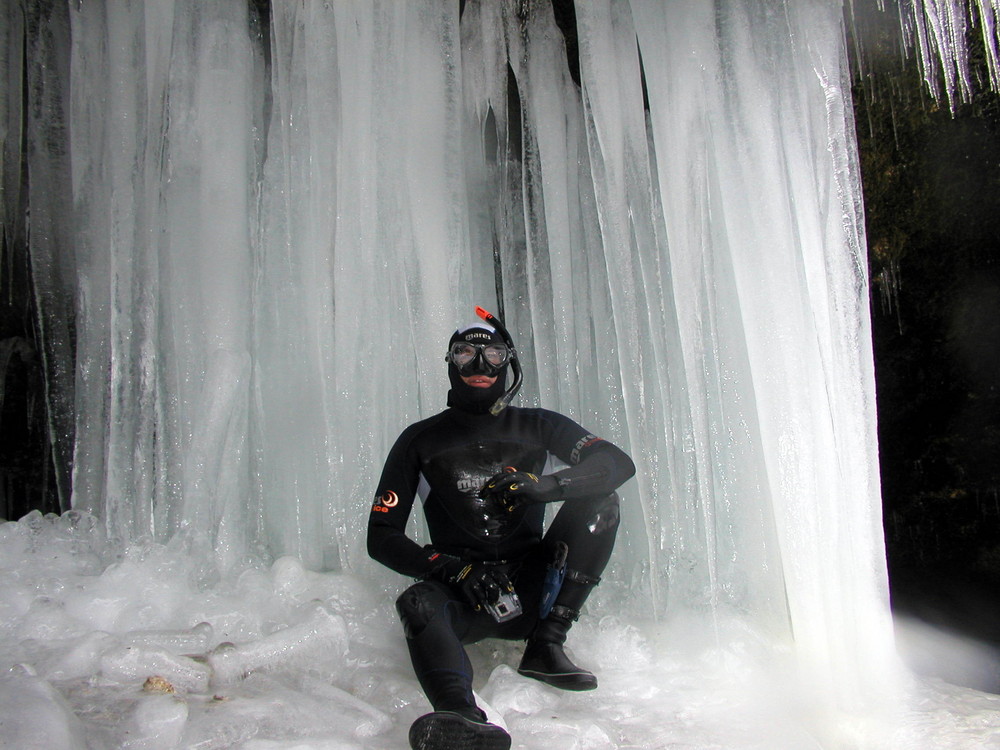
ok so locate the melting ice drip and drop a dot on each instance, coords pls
(268, 229)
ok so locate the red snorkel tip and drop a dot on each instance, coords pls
(505, 399)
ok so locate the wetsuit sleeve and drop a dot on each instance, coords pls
(597, 466)
(397, 490)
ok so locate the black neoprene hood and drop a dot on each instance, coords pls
(463, 396)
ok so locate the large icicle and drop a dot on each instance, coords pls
(164, 192)
(364, 258)
(778, 264)
(12, 20)
(50, 229)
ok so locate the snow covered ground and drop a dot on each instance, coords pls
(148, 648)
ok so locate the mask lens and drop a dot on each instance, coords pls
(496, 354)
(462, 353)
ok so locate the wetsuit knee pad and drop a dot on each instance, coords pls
(419, 605)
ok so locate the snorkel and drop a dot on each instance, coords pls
(504, 401)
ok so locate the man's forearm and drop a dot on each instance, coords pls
(600, 473)
(398, 552)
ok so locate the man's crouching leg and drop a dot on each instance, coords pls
(432, 620)
(544, 657)
(589, 529)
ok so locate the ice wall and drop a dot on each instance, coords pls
(269, 227)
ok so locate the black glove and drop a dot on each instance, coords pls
(514, 489)
(479, 583)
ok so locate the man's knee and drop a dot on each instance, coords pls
(586, 520)
(606, 515)
(419, 605)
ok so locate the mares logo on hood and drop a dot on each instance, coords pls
(475, 335)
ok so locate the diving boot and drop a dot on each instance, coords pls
(544, 658)
(462, 729)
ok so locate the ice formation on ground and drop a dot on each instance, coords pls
(147, 647)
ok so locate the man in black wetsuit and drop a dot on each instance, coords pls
(479, 468)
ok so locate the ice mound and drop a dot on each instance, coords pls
(149, 647)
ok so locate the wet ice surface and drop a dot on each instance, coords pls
(146, 648)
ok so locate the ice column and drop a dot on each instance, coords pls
(363, 258)
(753, 151)
(48, 226)
(712, 248)
(164, 188)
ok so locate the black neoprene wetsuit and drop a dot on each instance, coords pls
(447, 458)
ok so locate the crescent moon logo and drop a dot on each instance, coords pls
(390, 499)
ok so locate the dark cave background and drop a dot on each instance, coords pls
(931, 180)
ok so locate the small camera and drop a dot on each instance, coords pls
(507, 607)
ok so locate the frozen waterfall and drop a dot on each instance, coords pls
(268, 228)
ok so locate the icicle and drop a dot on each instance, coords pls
(51, 231)
(12, 38)
(989, 10)
(937, 30)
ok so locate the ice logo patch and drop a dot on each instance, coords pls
(383, 502)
